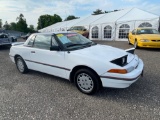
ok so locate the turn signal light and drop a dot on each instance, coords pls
(120, 71)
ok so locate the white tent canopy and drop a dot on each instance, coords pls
(110, 26)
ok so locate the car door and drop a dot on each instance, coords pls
(1, 39)
(44, 60)
(5, 39)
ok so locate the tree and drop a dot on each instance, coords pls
(6, 26)
(31, 29)
(21, 24)
(21, 16)
(0, 23)
(71, 17)
(115, 10)
(107, 11)
(13, 26)
(46, 20)
(111, 11)
(97, 12)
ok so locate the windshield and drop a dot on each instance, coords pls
(73, 40)
(77, 28)
(147, 31)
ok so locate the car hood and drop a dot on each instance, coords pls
(103, 52)
(79, 31)
(151, 36)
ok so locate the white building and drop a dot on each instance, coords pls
(110, 26)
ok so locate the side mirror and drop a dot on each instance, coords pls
(54, 48)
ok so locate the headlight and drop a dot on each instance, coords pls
(145, 40)
(122, 61)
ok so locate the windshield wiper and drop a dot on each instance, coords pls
(73, 45)
(90, 43)
(86, 44)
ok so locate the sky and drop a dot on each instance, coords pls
(32, 9)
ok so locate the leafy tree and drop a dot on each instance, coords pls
(71, 17)
(21, 24)
(0, 23)
(31, 29)
(6, 26)
(20, 17)
(115, 10)
(13, 26)
(97, 12)
(107, 11)
(47, 20)
(111, 11)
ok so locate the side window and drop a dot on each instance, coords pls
(75, 28)
(138, 32)
(1, 36)
(4, 36)
(42, 42)
(31, 40)
(54, 42)
(134, 32)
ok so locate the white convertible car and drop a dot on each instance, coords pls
(71, 56)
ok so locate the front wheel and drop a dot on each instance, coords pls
(86, 81)
(21, 65)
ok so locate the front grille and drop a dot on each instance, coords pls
(155, 40)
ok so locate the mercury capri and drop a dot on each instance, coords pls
(71, 56)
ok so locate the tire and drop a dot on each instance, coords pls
(12, 39)
(9, 46)
(136, 44)
(86, 81)
(21, 65)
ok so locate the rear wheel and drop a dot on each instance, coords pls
(86, 81)
(21, 65)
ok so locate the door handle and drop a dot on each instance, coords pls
(32, 51)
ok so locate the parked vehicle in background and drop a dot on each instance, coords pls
(13, 38)
(71, 56)
(5, 39)
(144, 37)
(26, 36)
(81, 30)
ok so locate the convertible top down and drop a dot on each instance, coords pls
(71, 56)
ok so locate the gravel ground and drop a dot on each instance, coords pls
(44, 97)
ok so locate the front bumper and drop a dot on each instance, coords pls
(122, 80)
(1, 44)
(149, 44)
